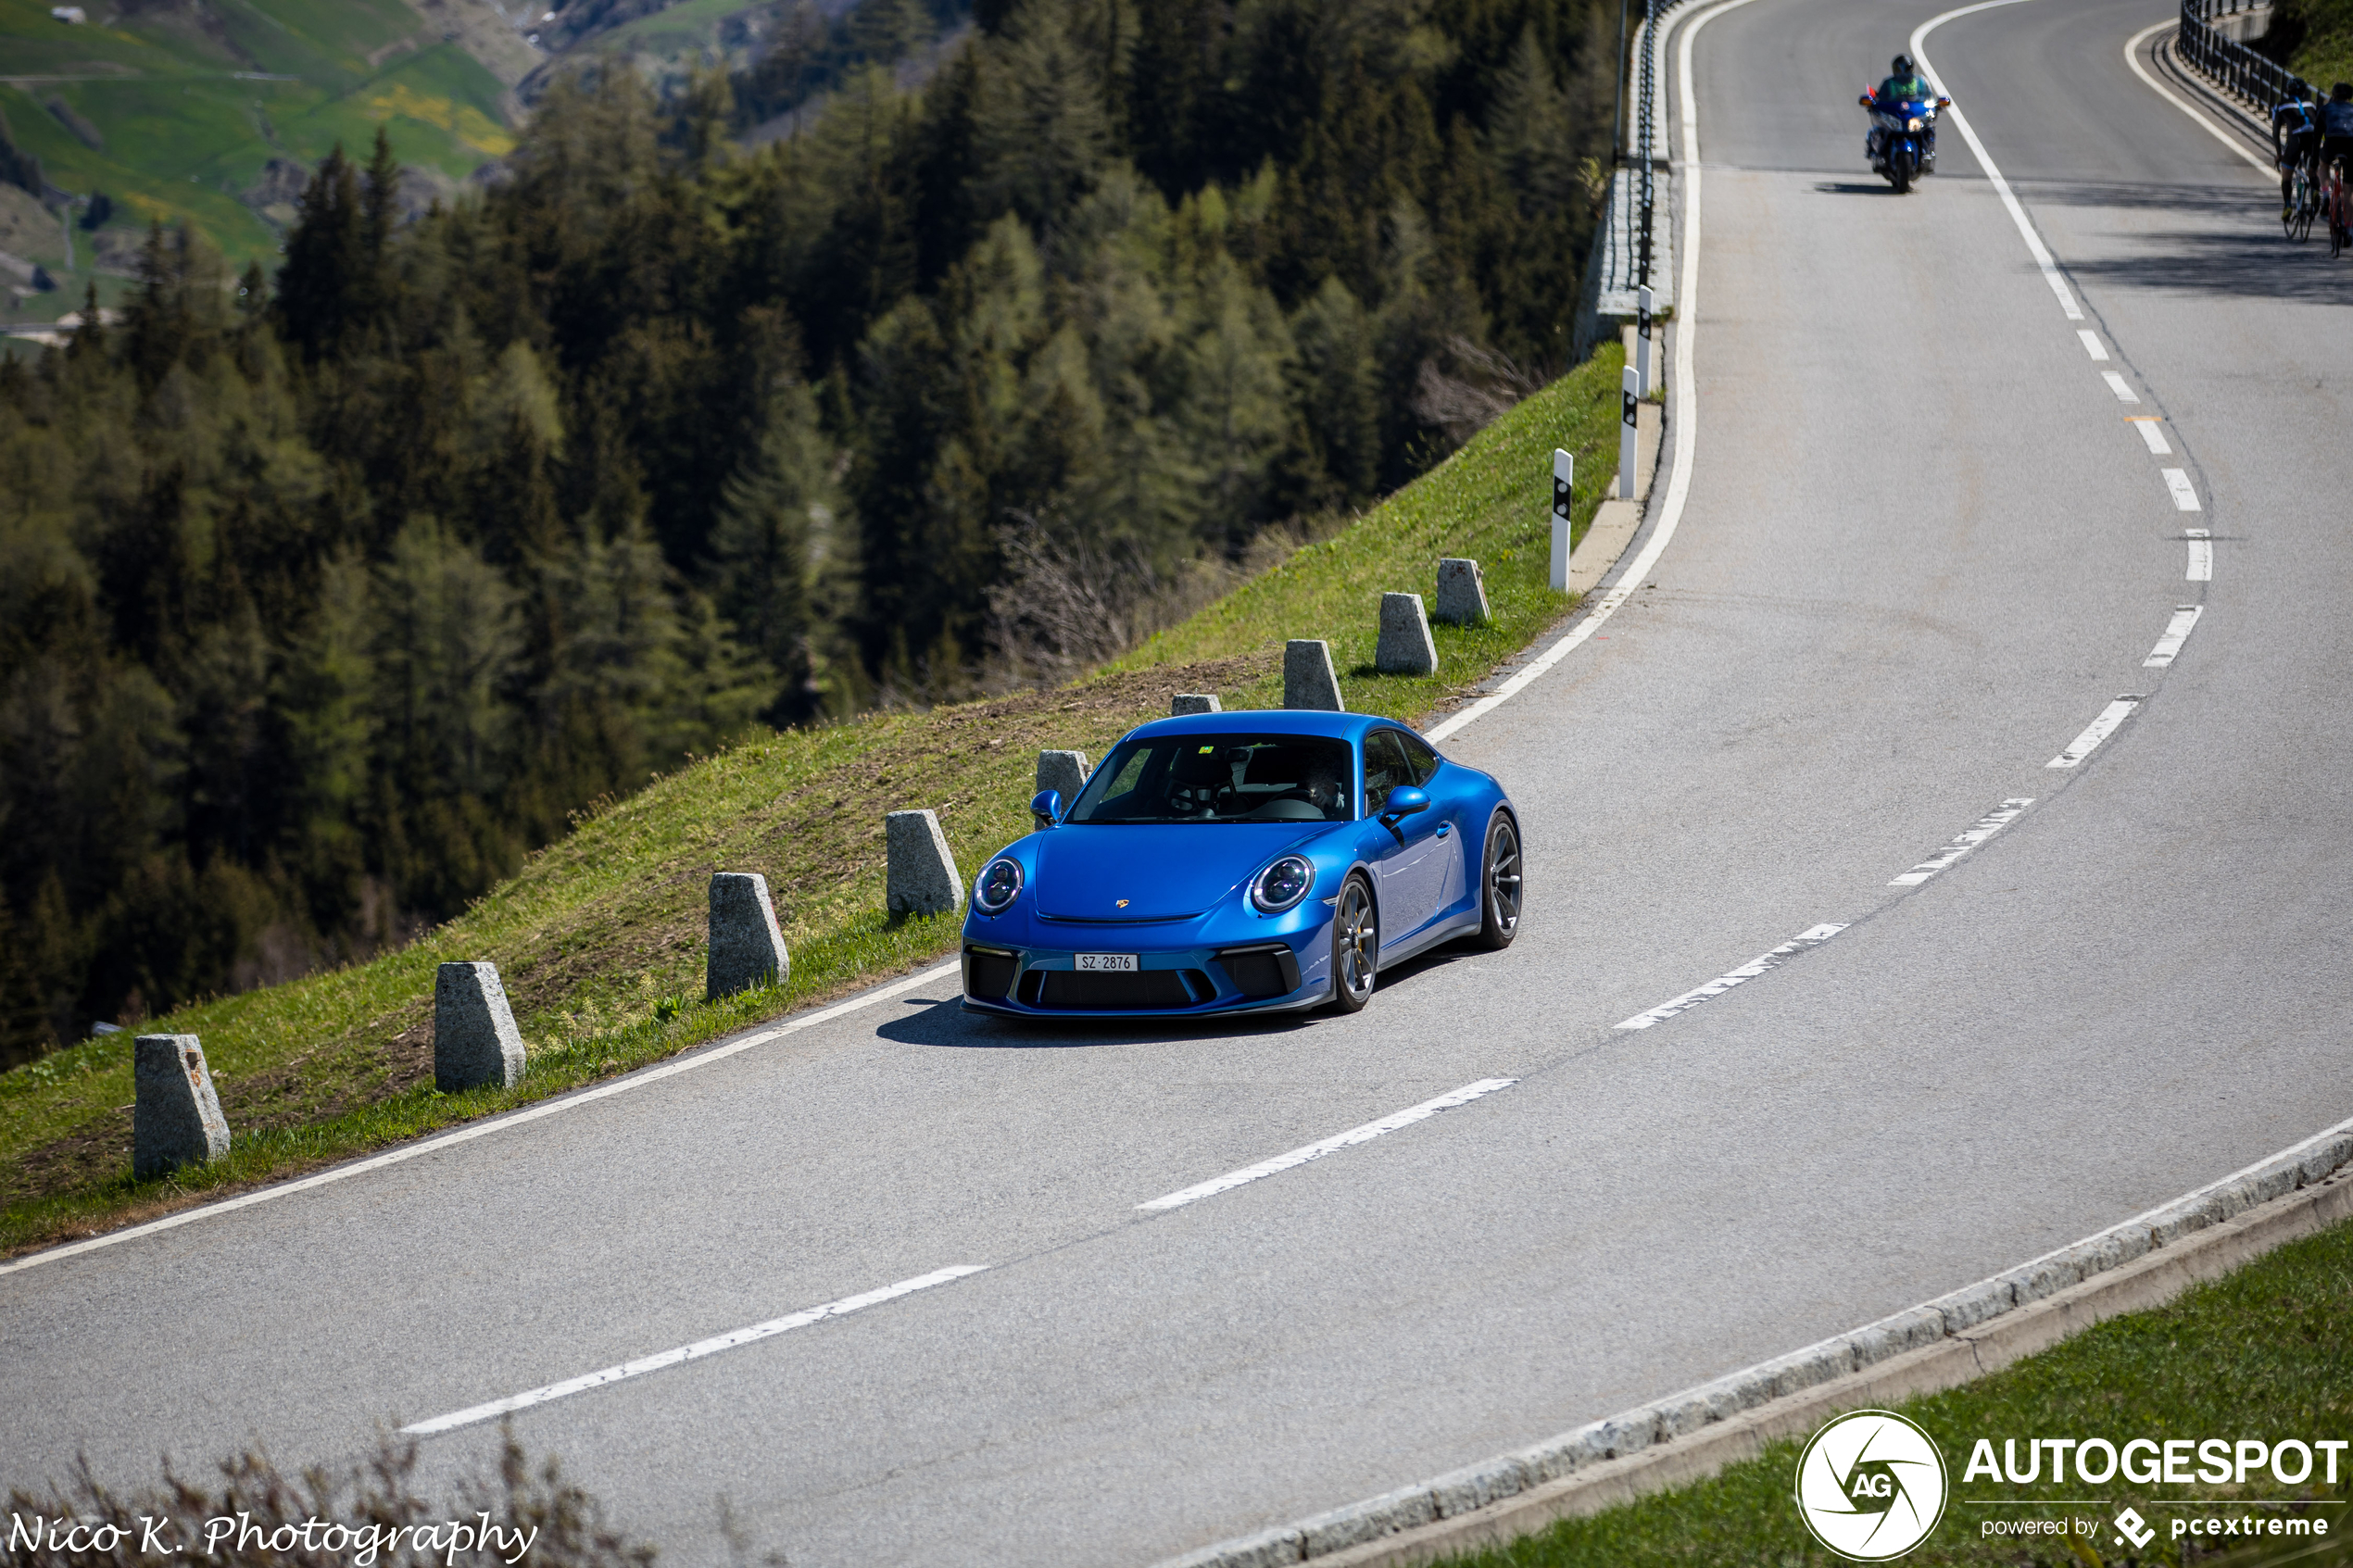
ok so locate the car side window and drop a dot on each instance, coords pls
(1385, 769)
(1418, 756)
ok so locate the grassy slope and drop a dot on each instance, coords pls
(600, 938)
(183, 137)
(2325, 55)
(2264, 1353)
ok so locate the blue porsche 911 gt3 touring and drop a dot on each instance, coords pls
(1243, 863)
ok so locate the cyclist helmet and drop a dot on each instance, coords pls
(1901, 65)
(2342, 93)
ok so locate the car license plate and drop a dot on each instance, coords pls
(1106, 963)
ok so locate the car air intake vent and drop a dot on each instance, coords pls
(988, 975)
(1139, 988)
(1262, 971)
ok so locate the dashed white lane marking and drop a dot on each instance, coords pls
(1332, 1145)
(2152, 433)
(696, 1351)
(1978, 832)
(1961, 122)
(2091, 342)
(2201, 543)
(1740, 976)
(2177, 632)
(2185, 492)
(2083, 746)
(2116, 384)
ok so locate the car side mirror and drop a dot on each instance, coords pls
(1403, 801)
(1046, 806)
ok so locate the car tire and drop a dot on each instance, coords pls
(1500, 885)
(1355, 945)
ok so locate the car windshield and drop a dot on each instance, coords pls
(1235, 778)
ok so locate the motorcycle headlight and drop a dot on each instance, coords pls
(999, 886)
(1281, 885)
(1913, 123)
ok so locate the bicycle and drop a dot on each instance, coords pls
(2337, 203)
(2303, 203)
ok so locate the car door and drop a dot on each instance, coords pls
(1453, 869)
(1407, 855)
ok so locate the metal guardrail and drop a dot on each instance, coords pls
(2231, 65)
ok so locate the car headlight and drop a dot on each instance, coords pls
(1281, 885)
(999, 886)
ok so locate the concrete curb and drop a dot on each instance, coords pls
(1958, 1337)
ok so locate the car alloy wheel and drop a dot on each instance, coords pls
(1355, 945)
(1500, 886)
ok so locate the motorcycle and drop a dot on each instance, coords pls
(1902, 145)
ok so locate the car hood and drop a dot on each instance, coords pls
(1164, 872)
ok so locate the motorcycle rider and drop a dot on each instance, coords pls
(1904, 84)
(2296, 130)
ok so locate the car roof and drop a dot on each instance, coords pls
(1276, 720)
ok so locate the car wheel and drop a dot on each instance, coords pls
(1498, 885)
(1355, 945)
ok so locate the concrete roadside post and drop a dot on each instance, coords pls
(1461, 592)
(922, 878)
(1193, 702)
(1643, 380)
(1629, 402)
(177, 1119)
(1564, 480)
(1064, 770)
(1406, 647)
(1308, 680)
(475, 1038)
(747, 949)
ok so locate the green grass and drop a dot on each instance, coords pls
(2266, 1352)
(184, 136)
(600, 938)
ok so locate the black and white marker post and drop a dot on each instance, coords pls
(1563, 478)
(1631, 395)
(1642, 342)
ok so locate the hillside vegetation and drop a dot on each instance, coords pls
(600, 937)
(2314, 39)
(329, 594)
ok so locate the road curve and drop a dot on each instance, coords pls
(1924, 550)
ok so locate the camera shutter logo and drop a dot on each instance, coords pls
(1870, 1485)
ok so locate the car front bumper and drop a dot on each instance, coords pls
(1028, 967)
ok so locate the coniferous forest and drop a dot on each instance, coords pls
(326, 595)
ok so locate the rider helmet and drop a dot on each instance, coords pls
(2342, 93)
(1903, 65)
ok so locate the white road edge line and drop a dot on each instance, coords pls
(684, 1353)
(2133, 59)
(2099, 730)
(2177, 632)
(638, 1080)
(1679, 485)
(2091, 342)
(1332, 1145)
(2116, 383)
(1814, 937)
(2152, 430)
(2051, 273)
(2201, 567)
(2185, 492)
(1978, 832)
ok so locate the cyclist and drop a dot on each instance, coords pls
(2336, 126)
(2296, 130)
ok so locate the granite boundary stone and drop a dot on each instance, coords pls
(475, 1038)
(1406, 647)
(1193, 702)
(1064, 772)
(1308, 680)
(922, 878)
(1461, 599)
(747, 948)
(175, 1116)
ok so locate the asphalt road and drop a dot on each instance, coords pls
(1924, 548)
